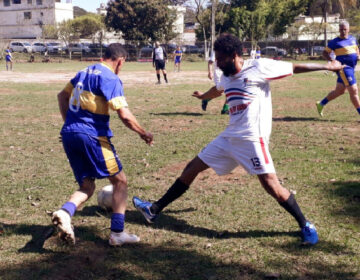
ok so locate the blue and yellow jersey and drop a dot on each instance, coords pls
(94, 91)
(178, 54)
(346, 50)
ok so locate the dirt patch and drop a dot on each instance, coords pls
(138, 78)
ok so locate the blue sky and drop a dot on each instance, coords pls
(88, 5)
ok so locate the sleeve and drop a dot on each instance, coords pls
(165, 54)
(113, 92)
(220, 85)
(273, 69)
(68, 88)
(212, 57)
(330, 47)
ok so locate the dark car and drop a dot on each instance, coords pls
(97, 49)
(190, 49)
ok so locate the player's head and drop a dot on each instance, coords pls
(344, 28)
(157, 44)
(116, 54)
(228, 52)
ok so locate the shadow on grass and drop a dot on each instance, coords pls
(350, 191)
(170, 223)
(93, 258)
(300, 119)
(177, 114)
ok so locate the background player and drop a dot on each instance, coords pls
(159, 60)
(245, 140)
(84, 105)
(214, 73)
(177, 59)
(347, 52)
(8, 60)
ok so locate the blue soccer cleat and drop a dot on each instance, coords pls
(309, 235)
(144, 207)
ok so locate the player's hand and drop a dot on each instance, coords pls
(210, 75)
(335, 65)
(197, 94)
(148, 138)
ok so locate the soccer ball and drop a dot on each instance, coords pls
(104, 197)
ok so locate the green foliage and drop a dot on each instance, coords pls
(253, 20)
(141, 20)
(88, 25)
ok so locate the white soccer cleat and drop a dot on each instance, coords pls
(120, 238)
(62, 220)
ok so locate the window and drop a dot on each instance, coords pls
(16, 1)
(39, 2)
(27, 15)
(6, 3)
(30, 2)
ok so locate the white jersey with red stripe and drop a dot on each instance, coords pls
(249, 97)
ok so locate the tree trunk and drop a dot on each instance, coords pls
(213, 12)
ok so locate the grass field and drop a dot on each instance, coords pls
(223, 227)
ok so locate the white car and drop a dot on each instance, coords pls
(20, 47)
(38, 47)
(54, 47)
(77, 48)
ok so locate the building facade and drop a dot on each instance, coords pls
(25, 19)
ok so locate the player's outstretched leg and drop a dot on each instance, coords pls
(271, 184)
(204, 104)
(320, 108)
(144, 208)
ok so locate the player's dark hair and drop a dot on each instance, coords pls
(228, 44)
(114, 51)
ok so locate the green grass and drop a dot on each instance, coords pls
(222, 228)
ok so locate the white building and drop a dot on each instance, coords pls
(26, 18)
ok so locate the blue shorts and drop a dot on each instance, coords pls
(346, 76)
(91, 156)
(177, 59)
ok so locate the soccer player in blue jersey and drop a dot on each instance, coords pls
(347, 52)
(177, 59)
(8, 60)
(84, 104)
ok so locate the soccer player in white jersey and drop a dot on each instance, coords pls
(245, 140)
(159, 61)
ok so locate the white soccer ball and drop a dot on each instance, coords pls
(104, 197)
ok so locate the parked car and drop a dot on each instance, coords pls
(38, 47)
(145, 54)
(273, 51)
(318, 50)
(20, 47)
(97, 49)
(190, 49)
(54, 47)
(77, 48)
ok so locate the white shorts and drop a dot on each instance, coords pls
(224, 154)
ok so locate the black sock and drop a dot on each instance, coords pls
(174, 192)
(158, 77)
(293, 208)
(165, 78)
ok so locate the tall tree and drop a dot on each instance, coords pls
(141, 20)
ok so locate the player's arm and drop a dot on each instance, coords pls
(130, 121)
(309, 67)
(210, 69)
(210, 94)
(154, 58)
(63, 101)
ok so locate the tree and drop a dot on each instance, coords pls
(89, 26)
(141, 20)
(67, 33)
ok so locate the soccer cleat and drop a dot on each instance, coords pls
(309, 234)
(320, 108)
(158, 82)
(144, 207)
(204, 104)
(120, 238)
(62, 220)
(225, 109)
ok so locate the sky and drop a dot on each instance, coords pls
(88, 5)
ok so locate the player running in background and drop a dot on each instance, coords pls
(214, 73)
(347, 52)
(159, 60)
(258, 53)
(177, 59)
(84, 104)
(8, 60)
(245, 140)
